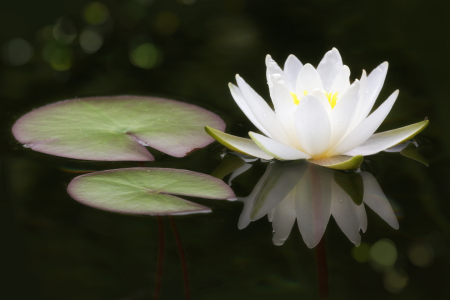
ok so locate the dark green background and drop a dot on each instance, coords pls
(56, 248)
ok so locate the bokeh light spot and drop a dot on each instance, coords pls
(421, 255)
(166, 23)
(145, 56)
(17, 52)
(361, 253)
(59, 57)
(90, 40)
(64, 30)
(96, 13)
(395, 281)
(383, 253)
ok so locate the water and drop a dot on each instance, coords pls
(55, 248)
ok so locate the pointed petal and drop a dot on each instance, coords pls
(340, 162)
(312, 125)
(343, 114)
(272, 69)
(313, 204)
(292, 68)
(242, 103)
(375, 82)
(278, 150)
(377, 201)
(342, 81)
(344, 211)
(381, 141)
(308, 80)
(362, 92)
(283, 219)
(284, 107)
(262, 111)
(366, 128)
(329, 67)
(283, 101)
(238, 144)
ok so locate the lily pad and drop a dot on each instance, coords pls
(116, 128)
(147, 191)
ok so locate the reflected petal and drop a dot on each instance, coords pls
(313, 204)
(283, 219)
(345, 212)
(377, 201)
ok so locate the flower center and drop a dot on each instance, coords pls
(332, 98)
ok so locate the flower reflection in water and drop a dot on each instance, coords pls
(310, 194)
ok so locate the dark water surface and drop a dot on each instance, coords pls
(56, 248)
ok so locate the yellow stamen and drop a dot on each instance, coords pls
(332, 98)
(296, 100)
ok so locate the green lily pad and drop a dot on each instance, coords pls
(116, 128)
(147, 191)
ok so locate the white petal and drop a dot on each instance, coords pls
(240, 101)
(272, 69)
(292, 68)
(342, 81)
(381, 141)
(313, 204)
(366, 128)
(362, 92)
(329, 67)
(375, 82)
(280, 151)
(377, 201)
(345, 212)
(308, 80)
(262, 111)
(283, 219)
(312, 125)
(284, 107)
(322, 98)
(343, 114)
(396, 149)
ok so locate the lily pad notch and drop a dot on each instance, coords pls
(147, 191)
(116, 128)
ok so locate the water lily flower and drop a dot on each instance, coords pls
(318, 114)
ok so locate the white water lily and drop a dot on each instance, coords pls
(319, 115)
